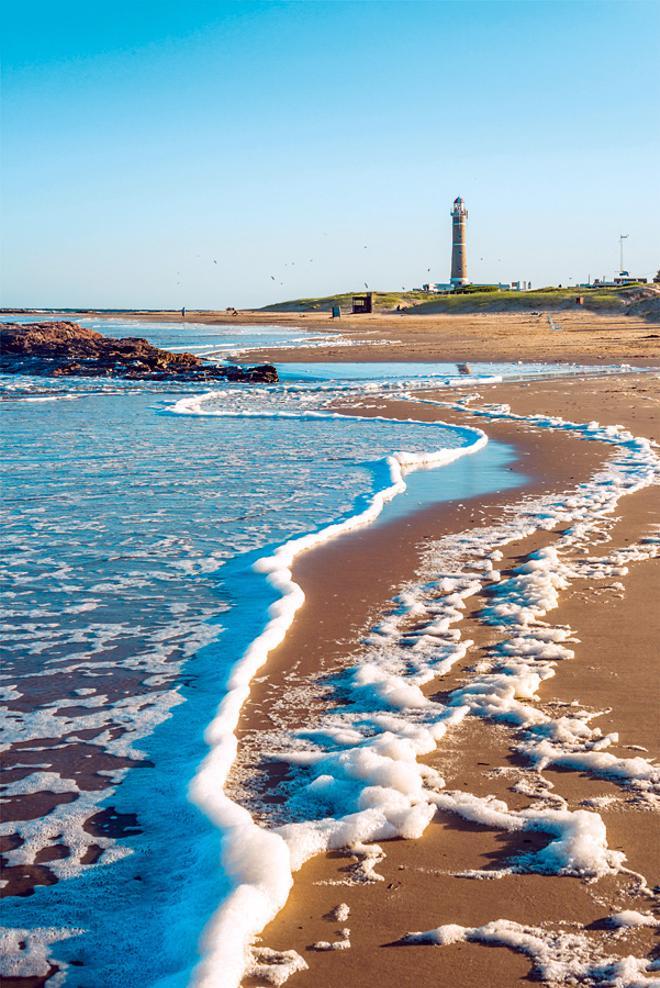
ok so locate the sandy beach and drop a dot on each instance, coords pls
(581, 336)
(351, 910)
(348, 584)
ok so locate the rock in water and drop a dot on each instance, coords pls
(65, 349)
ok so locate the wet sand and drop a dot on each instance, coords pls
(347, 583)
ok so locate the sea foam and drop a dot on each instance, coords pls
(361, 780)
(368, 769)
(261, 861)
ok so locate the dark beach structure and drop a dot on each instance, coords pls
(363, 302)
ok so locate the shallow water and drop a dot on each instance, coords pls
(414, 370)
(191, 336)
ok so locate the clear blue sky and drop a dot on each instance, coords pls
(143, 140)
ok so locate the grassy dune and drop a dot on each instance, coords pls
(383, 301)
(642, 300)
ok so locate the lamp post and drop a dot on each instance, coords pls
(622, 237)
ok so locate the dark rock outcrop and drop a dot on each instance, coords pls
(65, 349)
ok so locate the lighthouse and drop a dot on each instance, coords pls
(459, 216)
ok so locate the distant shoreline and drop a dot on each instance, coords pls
(641, 299)
(574, 335)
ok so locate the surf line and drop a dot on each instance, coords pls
(637, 469)
(258, 861)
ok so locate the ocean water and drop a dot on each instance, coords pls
(199, 338)
(136, 516)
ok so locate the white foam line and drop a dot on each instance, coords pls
(400, 462)
(557, 956)
(43, 398)
(259, 860)
(7, 396)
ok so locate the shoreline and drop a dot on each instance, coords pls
(583, 336)
(262, 876)
(403, 538)
(405, 533)
(253, 895)
(323, 621)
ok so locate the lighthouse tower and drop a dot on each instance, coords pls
(459, 215)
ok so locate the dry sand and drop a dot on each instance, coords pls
(582, 337)
(347, 583)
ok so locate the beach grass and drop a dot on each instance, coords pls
(606, 299)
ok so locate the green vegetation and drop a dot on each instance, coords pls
(383, 301)
(477, 289)
(540, 299)
(478, 298)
